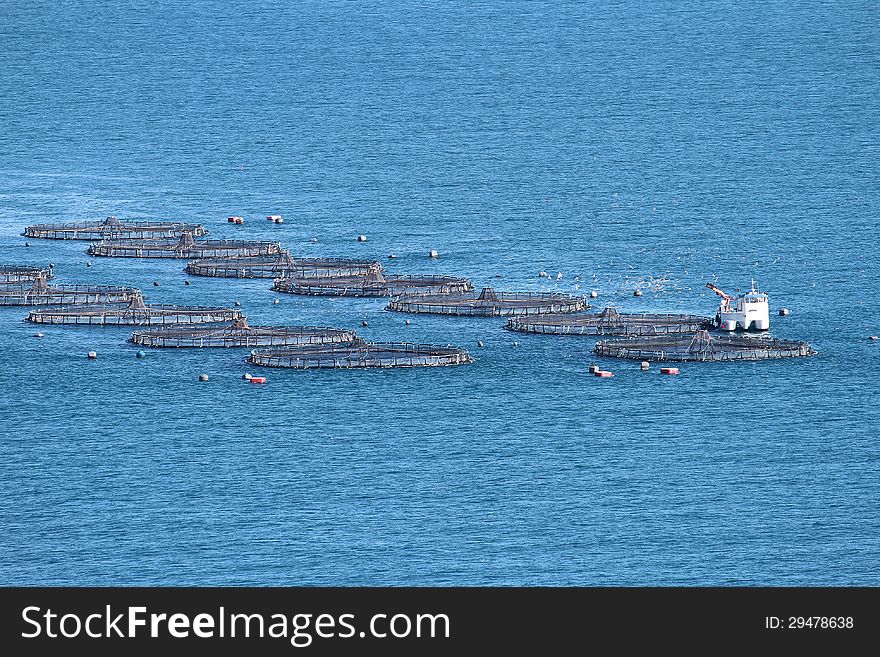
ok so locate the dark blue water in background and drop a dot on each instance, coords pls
(613, 142)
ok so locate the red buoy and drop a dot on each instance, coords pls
(258, 379)
(603, 374)
(669, 370)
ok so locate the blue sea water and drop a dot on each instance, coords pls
(610, 141)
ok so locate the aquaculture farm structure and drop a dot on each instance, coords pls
(374, 284)
(186, 246)
(113, 228)
(240, 334)
(281, 265)
(702, 346)
(489, 303)
(22, 273)
(135, 313)
(38, 292)
(609, 322)
(361, 355)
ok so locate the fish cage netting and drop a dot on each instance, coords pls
(362, 355)
(610, 322)
(113, 228)
(702, 346)
(375, 284)
(23, 273)
(38, 293)
(239, 334)
(185, 247)
(135, 313)
(281, 265)
(489, 303)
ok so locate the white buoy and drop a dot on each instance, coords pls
(27, 243)
(237, 303)
(637, 293)
(276, 301)
(392, 256)
(594, 369)
(594, 294)
(516, 344)
(88, 263)
(38, 335)
(186, 282)
(247, 377)
(434, 254)
(203, 377)
(480, 343)
(645, 365)
(406, 322)
(542, 274)
(362, 238)
(92, 355)
(364, 323)
(155, 283)
(314, 240)
(784, 312)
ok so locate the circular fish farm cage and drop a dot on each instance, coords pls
(701, 346)
(136, 313)
(361, 355)
(610, 322)
(39, 293)
(283, 264)
(375, 284)
(23, 273)
(113, 228)
(239, 334)
(489, 303)
(184, 247)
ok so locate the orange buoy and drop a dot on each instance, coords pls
(669, 370)
(258, 379)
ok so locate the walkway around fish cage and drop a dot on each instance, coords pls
(240, 334)
(610, 322)
(489, 303)
(23, 273)
(362, 355)
(135, 313)
(113, 228)
(184, 247)
(283, 264)
(374, 284)
(702, 346)
(38, 292)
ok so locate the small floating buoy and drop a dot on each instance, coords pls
(279, 220)
(434, 254)
(88, 263)
(92, 355)
(258, 379)
(38, 335)
(406, 322)
(594, 369)
(141, 354)
(155, 283)
(872, 337)
(480, 343)
(603, 374)
(237, 303)
(645, 365)
(594, 294)
(516, 344)
(235, 220)
(313, 240)
(203, 377)
(392, 256)
(362, 238)
(247, 377)
(542, 274)
(364, 323)
(186, 282)
(784, 312)
(637, 293)
(669, 370)
(27, 243)
(276, 301)
(274, 217)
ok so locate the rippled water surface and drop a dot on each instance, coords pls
(615, 143)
